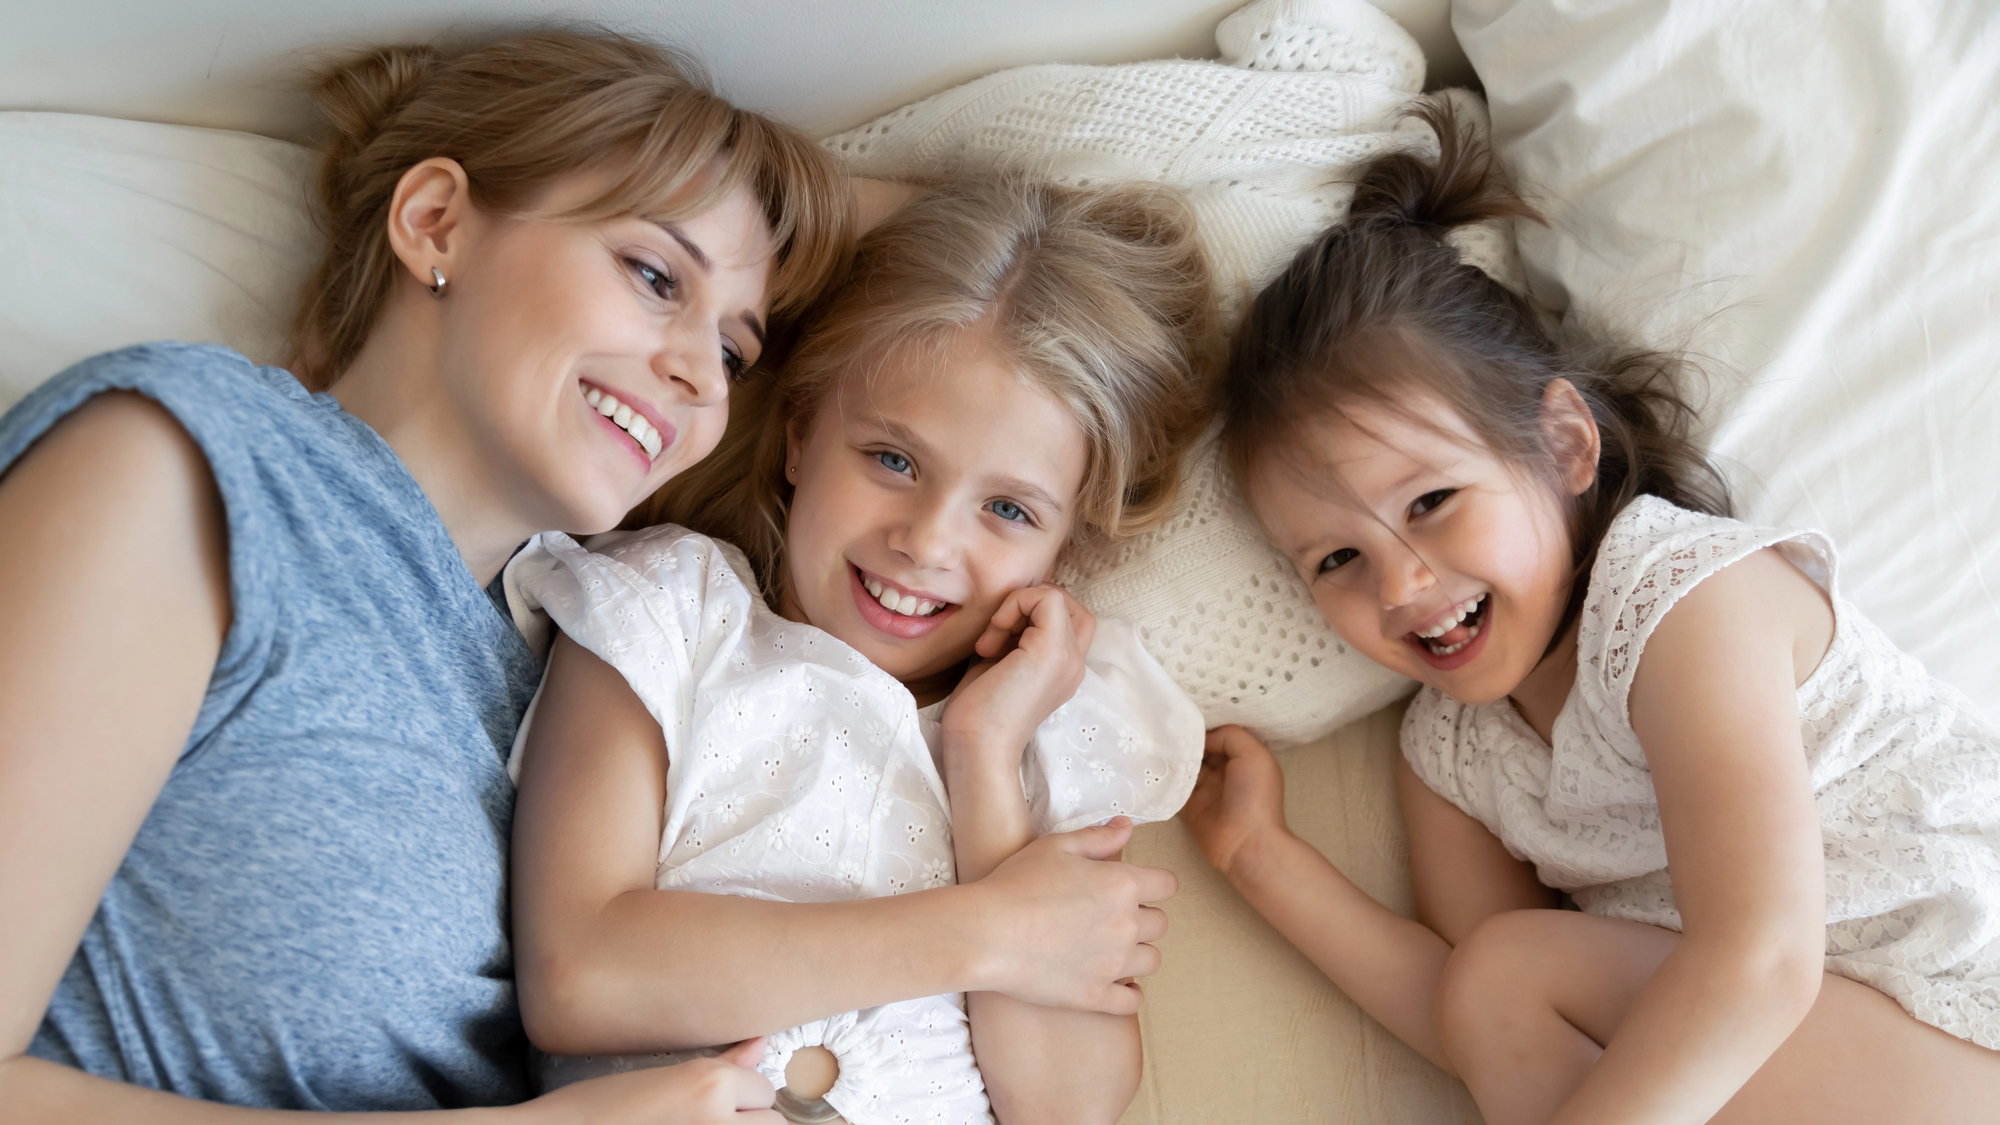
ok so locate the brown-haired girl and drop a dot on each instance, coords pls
(1620, 681)
(258, 701)
(1013, 369)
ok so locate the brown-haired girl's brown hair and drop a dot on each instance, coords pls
(1383, 302)
(1100, 297)
(530, 110)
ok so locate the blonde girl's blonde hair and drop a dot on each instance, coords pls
(523, 113)
(1100, 297)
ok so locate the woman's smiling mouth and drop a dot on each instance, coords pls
(635, 425)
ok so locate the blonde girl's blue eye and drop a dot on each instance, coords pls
(893, 461)
(1430, 500)
(1009, 511)
(1338, 559)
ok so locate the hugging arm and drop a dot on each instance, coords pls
(1390, 965)
(610, 965)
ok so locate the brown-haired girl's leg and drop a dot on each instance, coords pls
(1530, 998)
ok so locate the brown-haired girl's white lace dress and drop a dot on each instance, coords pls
(1905, 772)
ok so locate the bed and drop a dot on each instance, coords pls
(1798, 192)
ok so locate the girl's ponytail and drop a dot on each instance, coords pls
(1384, 303)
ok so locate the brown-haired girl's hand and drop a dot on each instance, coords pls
(1030, 662)
(723, 1090)
(1238, 801)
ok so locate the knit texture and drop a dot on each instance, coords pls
(1265, 143)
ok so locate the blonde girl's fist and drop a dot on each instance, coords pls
(1238, 801)
(1030, 662)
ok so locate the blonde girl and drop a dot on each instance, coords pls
(1782, 835)
(1012, 370)
(253, 807)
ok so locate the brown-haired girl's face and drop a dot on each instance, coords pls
(941, 484)
(591, 361)
(1424, 550)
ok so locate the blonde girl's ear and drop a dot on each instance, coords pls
(795, 448)
(1571, 434)
(430, 214)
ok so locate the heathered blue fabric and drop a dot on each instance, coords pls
(314, 914)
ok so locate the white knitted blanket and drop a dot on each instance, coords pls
(1265, 143)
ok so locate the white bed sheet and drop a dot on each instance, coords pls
(1806, 191)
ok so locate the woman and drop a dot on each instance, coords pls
(252, 806)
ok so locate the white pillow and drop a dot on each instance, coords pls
(117, 232)
(1265, 143)
(1808, 190)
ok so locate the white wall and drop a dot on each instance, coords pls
(822, 64)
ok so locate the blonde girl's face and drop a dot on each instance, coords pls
(1423, 549)
(924, 494)
(591, 361)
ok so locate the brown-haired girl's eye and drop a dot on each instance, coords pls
(1430, 500)
(1338, 559)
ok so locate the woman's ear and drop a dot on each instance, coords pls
(429, 214)
(1572, 435)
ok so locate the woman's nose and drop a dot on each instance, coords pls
(695, 371)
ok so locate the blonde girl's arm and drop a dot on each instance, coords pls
(607, 964)
(1386, 963)
(1040, 1064)
(1715, 706)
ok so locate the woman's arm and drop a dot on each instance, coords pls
(1715, 705)
(1040, 1064)
(118, 561)
(610, 965)
(1386, 963)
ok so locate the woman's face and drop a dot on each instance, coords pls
(591, 361)
(940, 486)
(1423, 549)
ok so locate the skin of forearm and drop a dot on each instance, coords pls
(664, 970)
(1384, 962)
(1040, 1064)
(39, 1092)
(1711, 1015)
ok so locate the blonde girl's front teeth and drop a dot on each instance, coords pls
(909, 605)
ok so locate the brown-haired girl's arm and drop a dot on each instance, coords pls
(100, 683)
(608, 964)
(1388, 964)
(1040, 1064)
(1715, 705)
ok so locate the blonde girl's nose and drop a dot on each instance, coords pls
(926, 536)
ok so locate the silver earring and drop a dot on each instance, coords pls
(437, 276)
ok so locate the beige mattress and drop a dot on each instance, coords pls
(1239, 1027)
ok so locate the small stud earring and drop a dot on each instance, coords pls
(437, 289)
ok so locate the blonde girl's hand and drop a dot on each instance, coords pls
(1030, 663)
(724, 1090)
(1238, 801)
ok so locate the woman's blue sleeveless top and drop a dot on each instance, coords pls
(314, 914)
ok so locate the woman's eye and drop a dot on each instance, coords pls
(659, 281)
(1430, 500)
(735, 364)
(1008, 510)
(1338, 559)
(894, 462)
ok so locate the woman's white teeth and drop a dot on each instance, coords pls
(895, 601)
(628, 419)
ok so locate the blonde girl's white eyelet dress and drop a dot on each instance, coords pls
(799, 772)
(1905, 773)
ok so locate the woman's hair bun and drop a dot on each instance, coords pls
(359, 95)
(1465, 184)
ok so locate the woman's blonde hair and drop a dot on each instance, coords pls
(525, 112)
(1100, 297)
